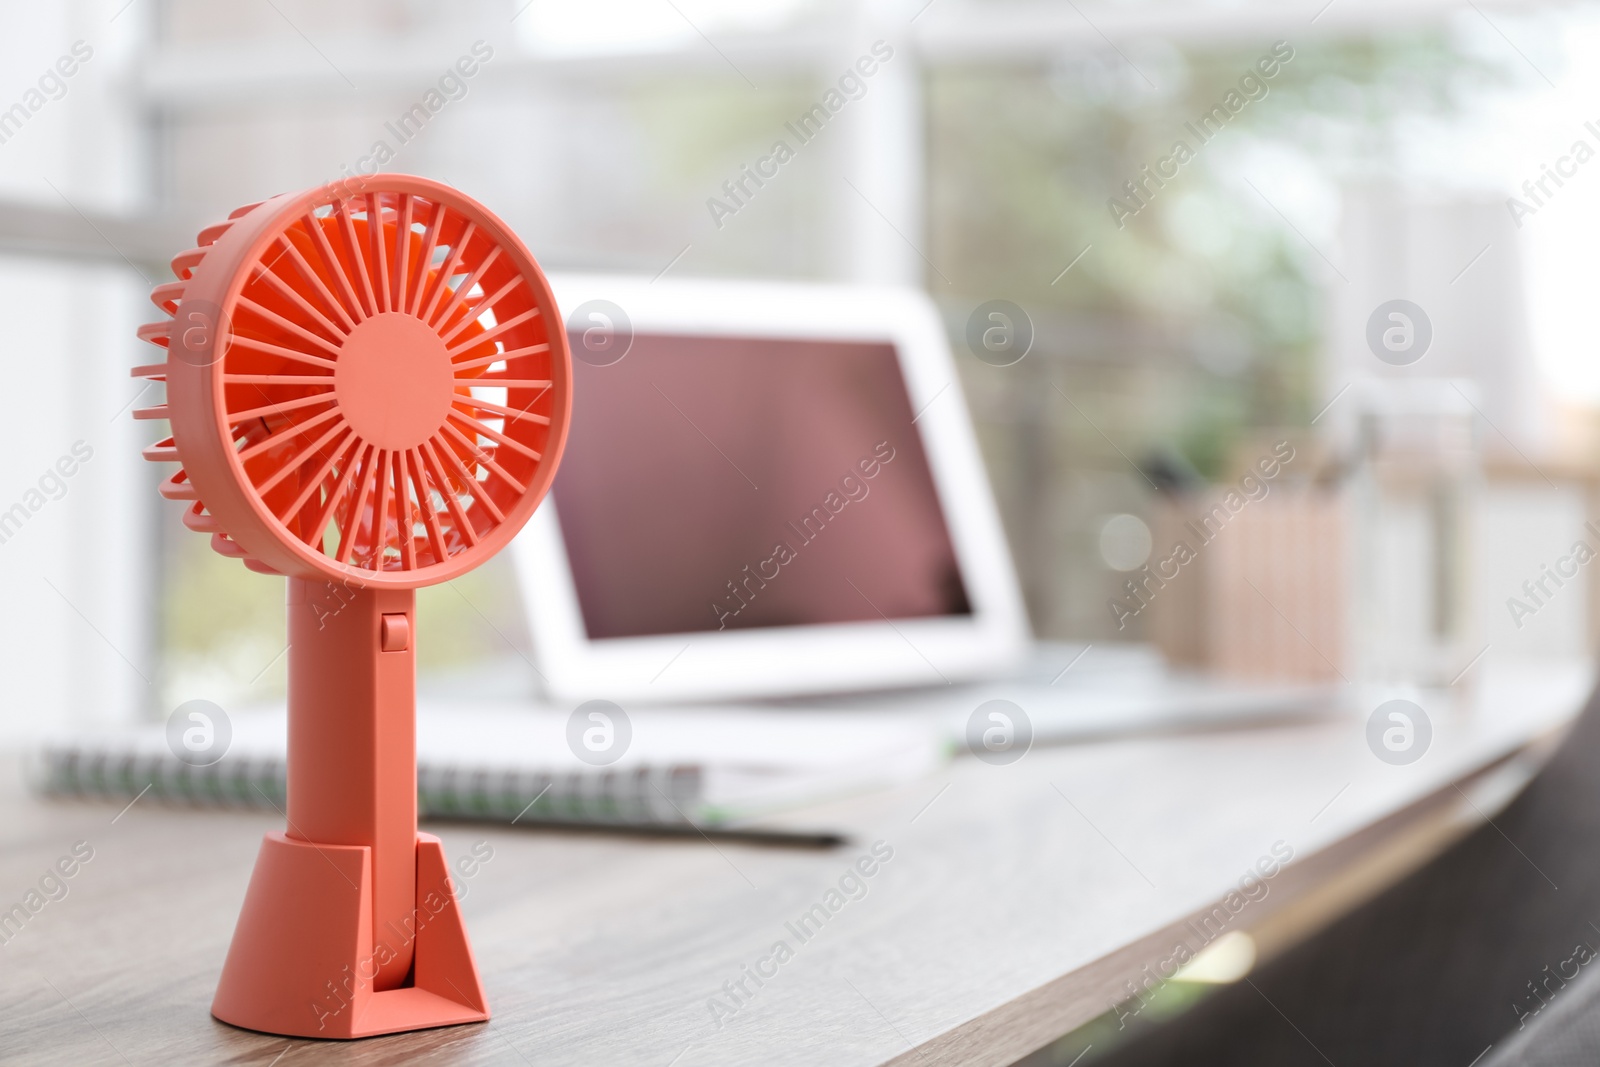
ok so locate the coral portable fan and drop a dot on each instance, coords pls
(369, 389)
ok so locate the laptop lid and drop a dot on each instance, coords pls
(769, 489)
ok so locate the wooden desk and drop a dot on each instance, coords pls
(1017, 903)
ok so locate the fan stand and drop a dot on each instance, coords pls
(350, 927)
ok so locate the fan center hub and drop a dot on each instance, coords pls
(393, 381)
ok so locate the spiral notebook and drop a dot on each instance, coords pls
(683, 769)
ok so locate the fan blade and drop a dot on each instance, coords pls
(451, 497)
(348, 447)
(465, 288)
(402, 254)
(290, 466)
(294, 328)
(351, 527)
(473, 487)
(280, 408)
(294, 296)
(358, 262)
(430, 516)
(511, 413)
(494, 331)
(425, 260)
(509, 354)
(377, 240)
(346, 306)
(495, 435)
(483, 457)
(541, 384)
(402, 511)
(476, 311)
(442, 278)
(279, 379)
(333, 498)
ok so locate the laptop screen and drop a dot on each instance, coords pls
(715, 483)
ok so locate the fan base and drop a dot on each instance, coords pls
(303, 958)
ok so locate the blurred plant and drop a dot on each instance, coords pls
(1023, 162)
(1195, 325)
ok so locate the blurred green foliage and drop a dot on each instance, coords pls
(1210, 284)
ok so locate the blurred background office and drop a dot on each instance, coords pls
(1188, 318)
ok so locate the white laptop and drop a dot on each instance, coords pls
(772, 490)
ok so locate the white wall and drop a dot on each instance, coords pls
(73, 609)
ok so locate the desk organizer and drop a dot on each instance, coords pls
(369, 388)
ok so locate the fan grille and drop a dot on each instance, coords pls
(382, 366)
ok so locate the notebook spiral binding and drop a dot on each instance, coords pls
(645, 796)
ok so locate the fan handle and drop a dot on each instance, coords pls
(353, 743)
